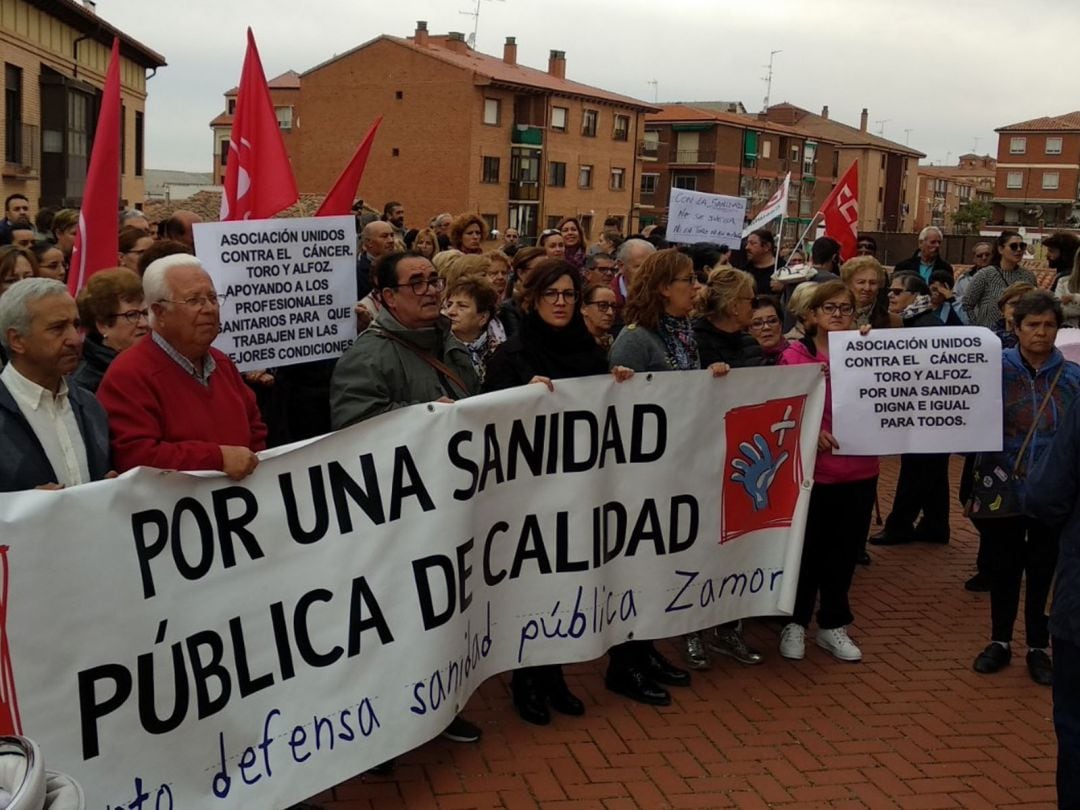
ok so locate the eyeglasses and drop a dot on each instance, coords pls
(764, 323)
(419, 286)
(132, 316)
(982, 255)
(896, 291)
(603, 306)
(134, 252)
(1017, 246)
(830, 308)
(685, 280)
(551, 296)
(197, 301)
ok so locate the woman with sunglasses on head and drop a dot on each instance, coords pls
(552, 343)
(553, 244)
(981, 296)
(727, 306)
(113, 310)
(841, 499)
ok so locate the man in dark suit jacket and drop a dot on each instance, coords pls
(51, 435)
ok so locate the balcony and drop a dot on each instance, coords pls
(648, 150)
(525, 135)
(693, 157)
(524, 191)
(22, 151)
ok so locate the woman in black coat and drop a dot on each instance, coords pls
(551, 343)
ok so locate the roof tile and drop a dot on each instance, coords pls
(1065, 122)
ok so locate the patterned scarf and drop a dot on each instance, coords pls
(678, 336)
(920, 305)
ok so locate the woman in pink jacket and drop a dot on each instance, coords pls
(840, 502)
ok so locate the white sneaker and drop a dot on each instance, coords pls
(793, 641)
(837, 642)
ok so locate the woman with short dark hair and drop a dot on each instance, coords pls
(767, 328)
(472, 305)
(1038, 387)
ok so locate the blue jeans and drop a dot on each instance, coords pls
(1067, 722)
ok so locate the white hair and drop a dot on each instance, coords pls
(155, 281)
(925, 232)
(15, 304)
(630, 245)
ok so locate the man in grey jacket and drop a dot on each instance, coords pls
(406, 357)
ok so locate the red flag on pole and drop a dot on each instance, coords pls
(96, 240)
(340, 199)
(258, 178)
(841, 212)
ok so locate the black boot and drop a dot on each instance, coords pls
(559, 695)
(529, 698)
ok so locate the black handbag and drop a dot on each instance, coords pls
(995, 492)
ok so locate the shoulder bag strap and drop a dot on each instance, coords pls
(440, 367)
(1035, 421)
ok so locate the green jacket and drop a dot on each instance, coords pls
(378, 374)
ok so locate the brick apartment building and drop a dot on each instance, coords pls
(1038, 172)
(284, 93)
(944, 189)
(55, 55)
(704, 146)
(888, 182)
(465, 131)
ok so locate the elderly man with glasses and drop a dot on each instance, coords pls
(406, 357)
(173, 401)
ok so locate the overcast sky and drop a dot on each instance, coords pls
(949, 72)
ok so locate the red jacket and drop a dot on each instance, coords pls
(159, 416)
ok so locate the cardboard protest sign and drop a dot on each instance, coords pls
(205, 643)
(287, 288)
(927, 390)
(694, 216)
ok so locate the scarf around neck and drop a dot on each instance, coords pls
(679, 342)
(920, 305)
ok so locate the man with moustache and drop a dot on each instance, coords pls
(52, 434)
(407, 356)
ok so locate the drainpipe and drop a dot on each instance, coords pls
(75, 54)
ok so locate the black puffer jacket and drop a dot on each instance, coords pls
(737, 349)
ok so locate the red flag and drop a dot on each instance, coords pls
(96, 241)
(340, 199)
(841, 212)
(258, 178)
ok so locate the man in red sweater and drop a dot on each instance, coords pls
(173, 401)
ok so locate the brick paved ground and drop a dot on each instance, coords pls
(910, 727)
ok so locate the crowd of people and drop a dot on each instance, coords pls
(126, 375)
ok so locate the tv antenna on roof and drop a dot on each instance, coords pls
(881, 125)
(474, 12)
(907, 136)
(768, 78)
(655, 89)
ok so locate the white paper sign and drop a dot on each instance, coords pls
(926, 390)
(248, 644)
(694, 216)
(287, 287)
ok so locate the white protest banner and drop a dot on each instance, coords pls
(287, 287)
(694, 216)
(220, 644)
(926, 390)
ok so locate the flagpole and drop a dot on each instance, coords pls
(813, 220)
(776, 252)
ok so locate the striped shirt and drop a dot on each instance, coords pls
(208, 366)
(982, 294)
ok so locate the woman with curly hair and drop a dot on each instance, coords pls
(466, 233)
